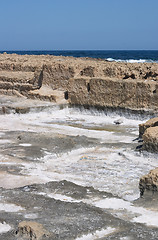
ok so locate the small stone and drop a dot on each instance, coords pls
(118, 121)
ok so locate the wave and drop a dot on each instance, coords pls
(130, 60)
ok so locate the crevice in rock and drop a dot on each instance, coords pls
(129, 76)
(66, 95)
(40, 80)
(150, 74)
(154, 91)
(88, 87)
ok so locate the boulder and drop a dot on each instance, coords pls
(149, 182)
(150, 123)
(31, 231)
(150, 139)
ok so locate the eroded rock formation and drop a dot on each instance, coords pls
(149, 133)
(31, 231)
(115, 93)
(150, 139)
(153, 122)
(82, 81)
(149, 182)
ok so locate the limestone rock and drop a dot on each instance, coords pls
(46, 93)
(20, 81)
(31, 231)
(150, 123)
(114, 93)
(150, 139)
(88, 71)
(90, 82)
(149, 182)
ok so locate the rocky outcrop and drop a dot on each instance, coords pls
(67, 67)
(57, 76)
(150, 139)
(115, 93)
(153, 122)
(148, 131)
(31, 231)
(149, 182)
(19, 81)
(84, 81)
(46, 93)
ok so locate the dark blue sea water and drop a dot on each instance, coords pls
(110, 55)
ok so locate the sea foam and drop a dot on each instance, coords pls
(129, 60)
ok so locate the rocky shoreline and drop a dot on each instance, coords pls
(64, 81)
(82, 81)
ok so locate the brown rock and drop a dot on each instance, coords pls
(150, 139)
(31, 231)
(149, 182)
(114, 93)
(88, 71)
(150, 123)
(20, 81)
(106, 84)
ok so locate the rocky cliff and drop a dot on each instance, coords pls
(82, 81)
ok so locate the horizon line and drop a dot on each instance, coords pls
(79, 50)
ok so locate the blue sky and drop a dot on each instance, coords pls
(78, 24)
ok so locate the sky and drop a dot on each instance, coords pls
(78, 25)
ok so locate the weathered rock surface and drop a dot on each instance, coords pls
(114, 93)
(149, 181)
(86, 81)
(67, 67)
(150, 139)
(31, 231)
(59, 219)
(66, 210)
(19, 80)
(153, 122)
(148, 131)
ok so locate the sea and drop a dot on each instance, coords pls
(109, 55)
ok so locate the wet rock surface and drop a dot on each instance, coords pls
(69, 174)
(69, 218)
